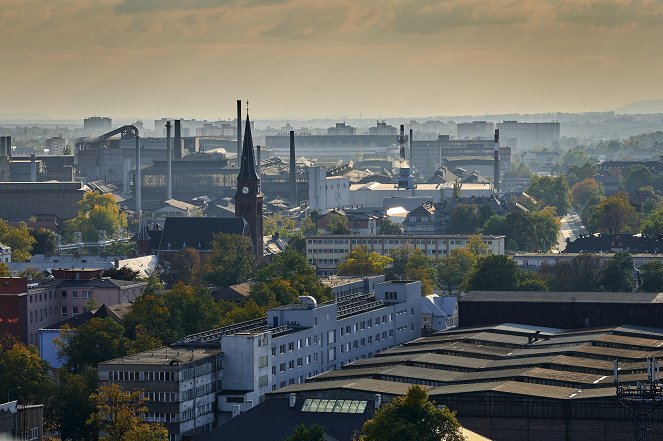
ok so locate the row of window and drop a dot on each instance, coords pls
(159, 417)
(142, 376)
(161, 397)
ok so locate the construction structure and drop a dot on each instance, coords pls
(641, 398)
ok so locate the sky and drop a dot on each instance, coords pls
(319, 58)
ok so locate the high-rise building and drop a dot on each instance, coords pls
(475, 129)
(97, 123)
(248, 197)
(523, 136)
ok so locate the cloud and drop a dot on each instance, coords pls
(424, 17)
(156, 6)
(613, 13)
(308, 22)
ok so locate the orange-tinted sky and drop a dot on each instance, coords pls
(312, 58)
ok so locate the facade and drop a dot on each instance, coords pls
(331, 148)
(25, 308)
(23, 200)
(327, 192)
(536, 260)
(359, 221)
(438, 313)
(180, 385)
(382, 128)
(174, 208)
(293, 343)
(429, 156)
(248, 198)
(21, 421)
(55, 145)
(97, 124)
(5, 254)
(342, 129)
(525, 136)
(615, 243)
(193, 232)
(326, 252)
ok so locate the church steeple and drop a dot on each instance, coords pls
(248, 197)
(247, 168)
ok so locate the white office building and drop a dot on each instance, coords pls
(327, 192)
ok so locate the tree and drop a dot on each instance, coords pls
(123, 273)
(4, 270)
(359, 262)
(651, 276)
(278, 224)
(301, 432)
(98, 340)
(451, 270)
(635, 177)
(413, 417)
(615, 213)
(457, 186)
(492, 273)
(338, 225)
(551, 191)
(98, 212)
(495, 225)
(275, 292)
(72, 403)
(653, 223)
(412, 264)
(464, 219)
(231, 261)
(298, 243)
(386, 227)
(308, 227)
(117, 414)
(477, 246)
(248, 310)
(44, 241)
(618, 274)
(18, 238)
(585, 191)
(31, 273)
(22, 371)
(526, 231)
(183, 266)
(583, 273)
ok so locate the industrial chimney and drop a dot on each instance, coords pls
(258, 163)
(293, 171)
(496, 162)
(239, 131)
(401, 141)
(410, 142)
(178, 139)
(169, 166)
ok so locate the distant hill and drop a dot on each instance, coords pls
(644, 106)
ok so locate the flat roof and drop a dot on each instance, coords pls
(556, 297)
(164, 356)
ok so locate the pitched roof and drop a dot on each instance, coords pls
(198, 232)
(248, 165)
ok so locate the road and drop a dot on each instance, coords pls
(571, 227)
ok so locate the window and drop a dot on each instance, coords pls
(331, 354)
(74, 294)
(64, 311)
(300, 362)
(331, 337)
(64, 294)
(87, 294)
(291, 346)
(291, 364)
(74, 310)
(308, 341)
(274, 351)
(273, 370)
(282, 349)
(282, 367)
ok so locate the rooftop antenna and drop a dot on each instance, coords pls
(641, 398)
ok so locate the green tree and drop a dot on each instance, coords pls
(231, 261)
(44, 241)
(585, 191)
(614, 213)
(248, 310)
(464, 219)
(492, 273)
(452, 269)
(653, 223)
(457, 186)
(412, 417)
(279, 224)
(117, 415)
(298, 243)
(388, 227)
(72, 403)
(183, 266)
(31, 273)
(338, 225)
(308, 227)
(635, 177)
(495, 225)
(526, 231)
(577, 174)
(651, 275)
(98, 212)
(412, 264)
(583, 273)
(301, 432)
(98, 340)
(22, 371)
(551, 191)
(275, 292)
(359, 262)
(4, 270)
(618, 274)
(18, 238)
(123, 273)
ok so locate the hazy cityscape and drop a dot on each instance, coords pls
(282, 220)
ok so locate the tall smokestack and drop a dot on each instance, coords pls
(169, 167)
(401, 141)
(239, 131)
(258, 163)
(496, 162)
(33, 168)
(178, 139)
(293, 171)
(410, 142)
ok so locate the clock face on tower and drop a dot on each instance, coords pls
(245, 190)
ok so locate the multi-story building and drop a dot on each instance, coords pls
(524, 136)
(229, 370)
(27, 307)
(475, 129)
(5, 253)
(341, 129)
(326, 252)
(325, 192)
(55, 145)
(429, 156)
(382, 128)
(23, 200)
(97, 124)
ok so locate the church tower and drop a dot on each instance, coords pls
(248, 197)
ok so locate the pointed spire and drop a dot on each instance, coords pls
(247, 168)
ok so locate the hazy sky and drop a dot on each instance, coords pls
(312, 58)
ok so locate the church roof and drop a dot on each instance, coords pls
(198, 232)
(247, 168)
